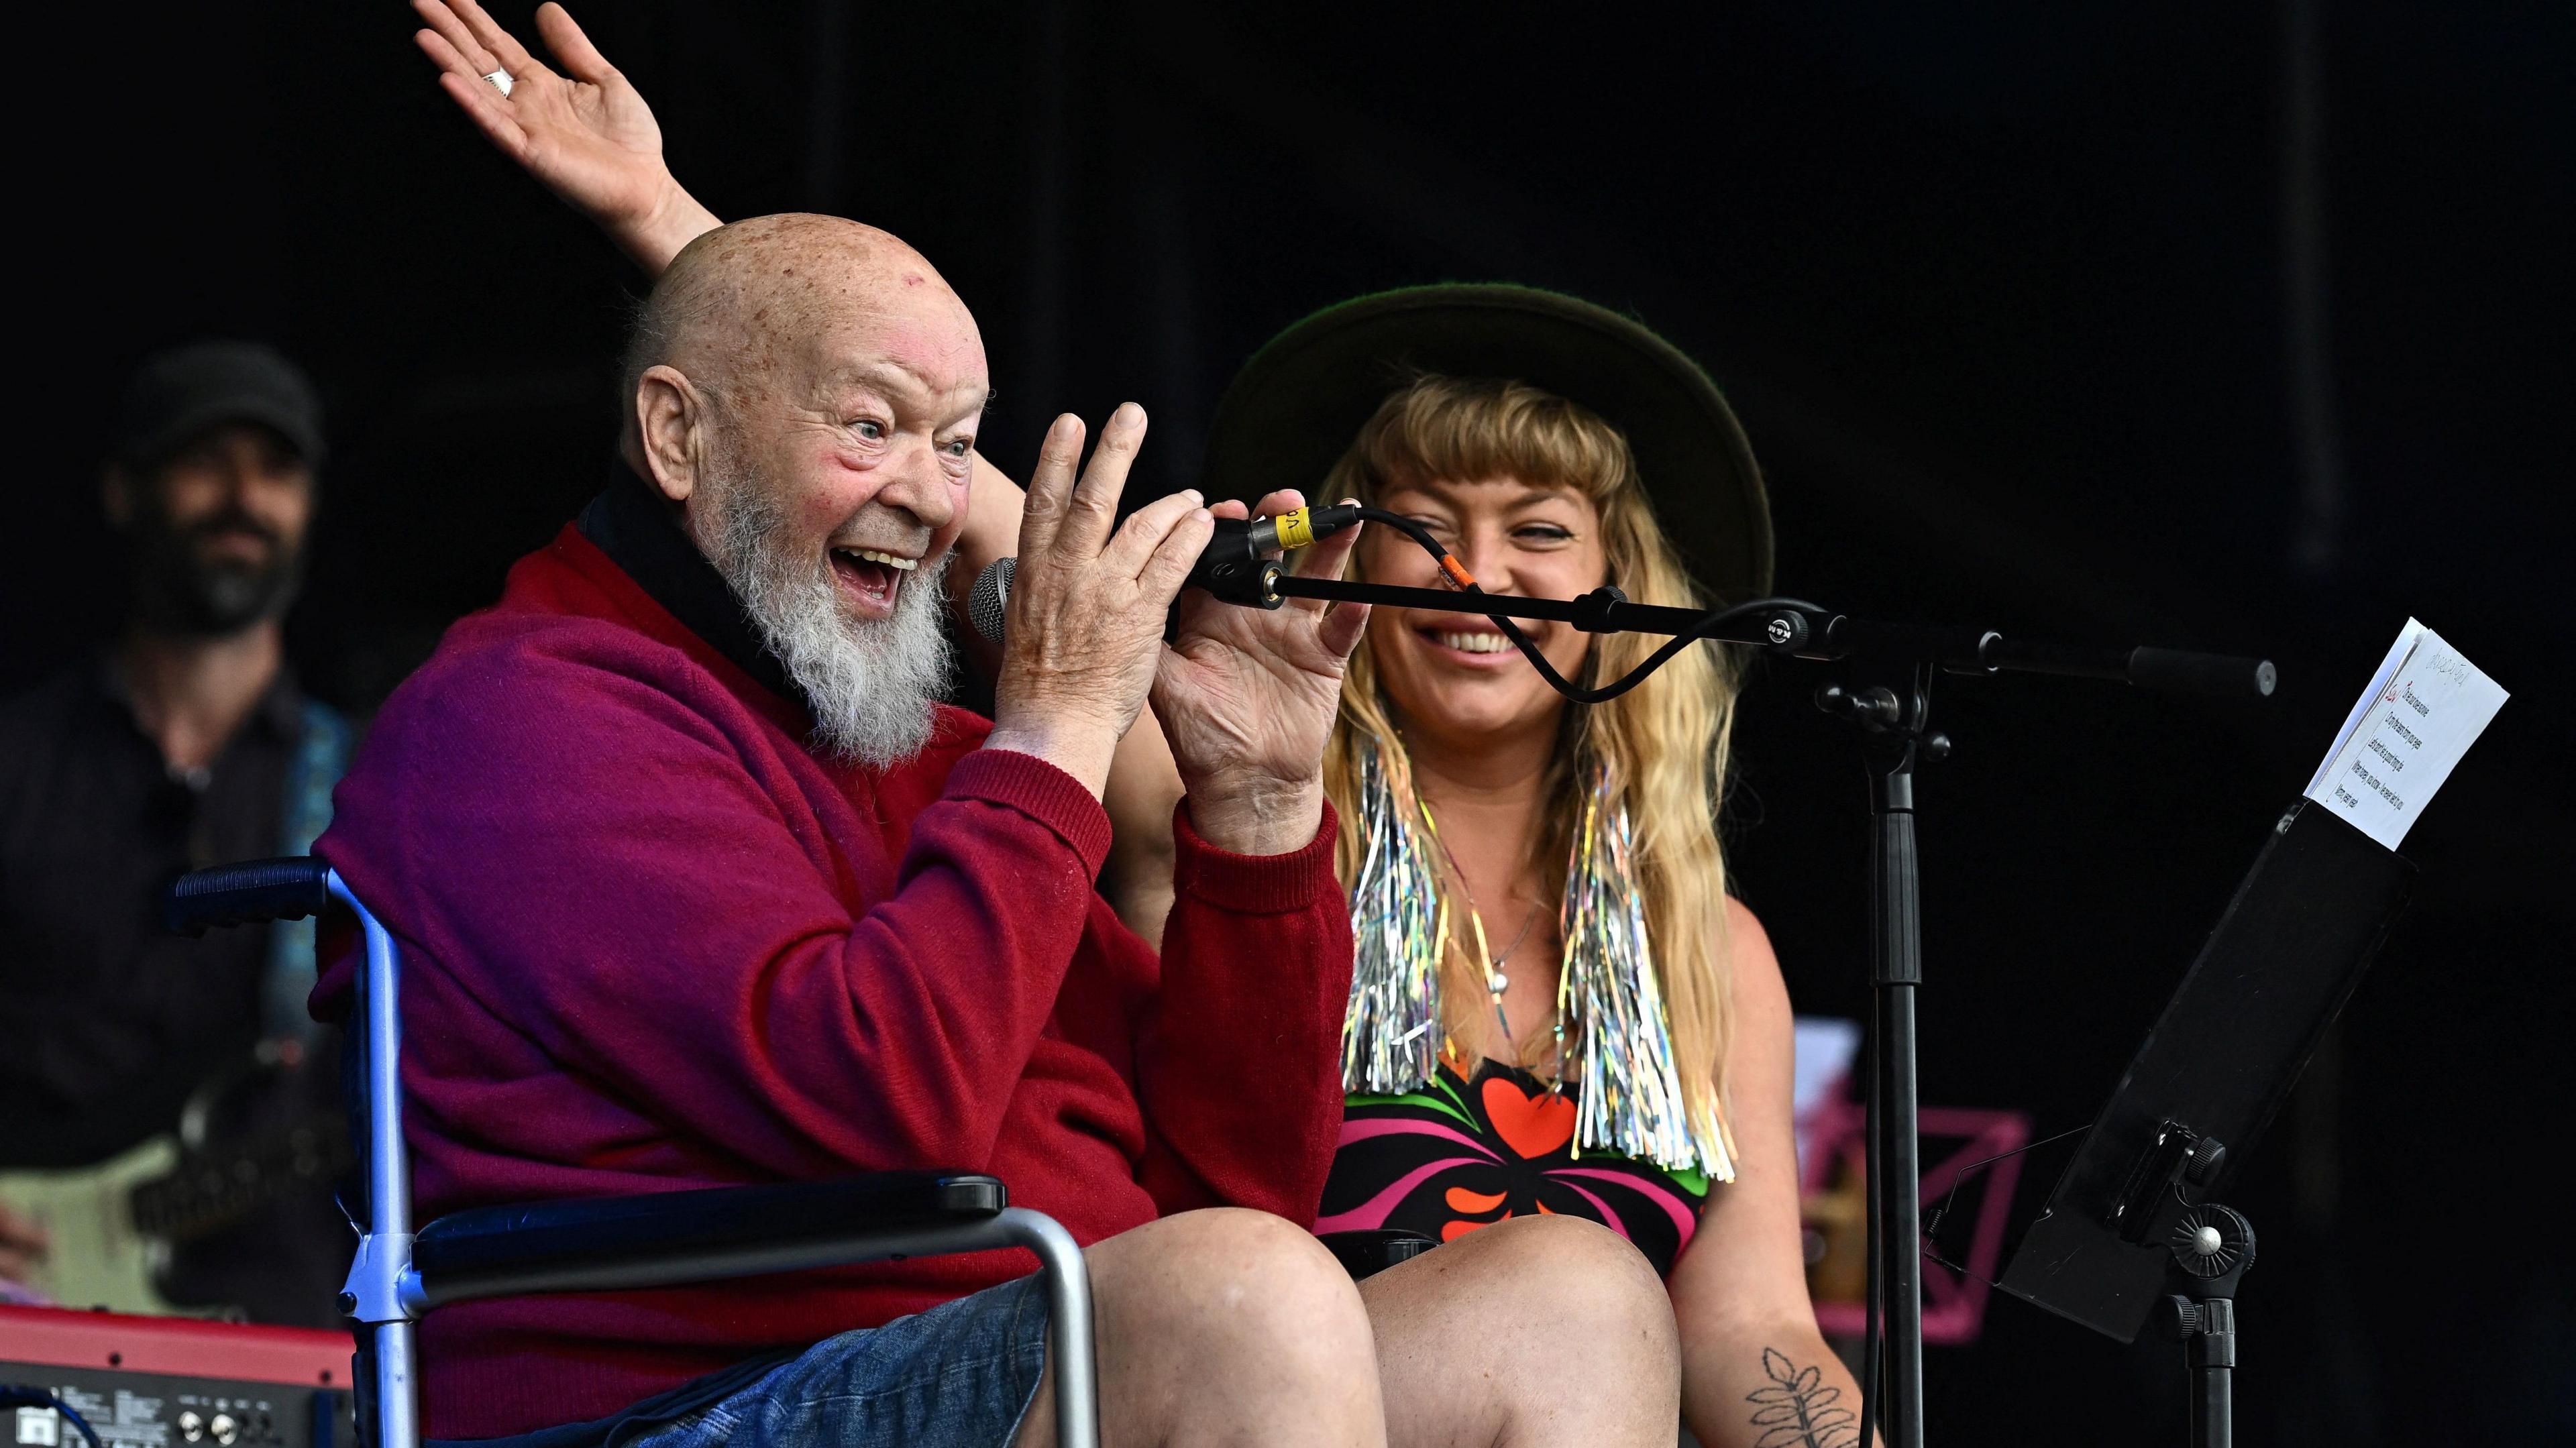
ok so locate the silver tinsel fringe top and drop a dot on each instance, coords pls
(1609, 999)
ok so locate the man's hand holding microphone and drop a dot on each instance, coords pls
(1246, 696)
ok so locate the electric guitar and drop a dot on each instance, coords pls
(111, 1227)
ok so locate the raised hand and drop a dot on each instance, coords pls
(586, 133)
(1088, 600)
(1247, 698)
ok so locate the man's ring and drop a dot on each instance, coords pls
(501, 82)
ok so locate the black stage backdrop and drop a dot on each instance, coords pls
(2232, 326)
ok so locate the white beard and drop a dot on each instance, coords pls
(872, 684)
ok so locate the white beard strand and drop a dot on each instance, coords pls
(872, 684)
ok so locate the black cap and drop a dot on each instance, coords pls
(179, 394)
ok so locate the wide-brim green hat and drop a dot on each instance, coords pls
(1299, 404)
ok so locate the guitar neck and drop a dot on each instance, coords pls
(215, 1189)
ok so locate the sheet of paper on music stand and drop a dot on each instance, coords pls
(2423, 710)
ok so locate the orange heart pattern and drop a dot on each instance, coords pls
(1467, 1151)
(1531, 1125)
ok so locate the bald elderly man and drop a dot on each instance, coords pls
(701, 885)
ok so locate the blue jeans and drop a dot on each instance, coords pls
(961, 1375)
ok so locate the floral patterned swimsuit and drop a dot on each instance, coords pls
(1457, 1154)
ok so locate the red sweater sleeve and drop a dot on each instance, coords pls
(621, 864)
(1239, 1056)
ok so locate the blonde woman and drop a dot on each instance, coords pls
(1559, 1013)
(1538, 882)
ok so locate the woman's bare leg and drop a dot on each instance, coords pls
(1536, 1330)
(1225, 1327)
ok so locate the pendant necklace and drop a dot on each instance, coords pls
(1496, 980)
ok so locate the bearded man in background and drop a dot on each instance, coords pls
(188, 744)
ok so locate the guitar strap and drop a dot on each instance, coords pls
(321, 757)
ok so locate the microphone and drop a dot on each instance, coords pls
(1233, 566)
(1233, 563)
(987, 605)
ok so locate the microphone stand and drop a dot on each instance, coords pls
(1887, 694)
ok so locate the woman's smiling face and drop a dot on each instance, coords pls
(1453, 677)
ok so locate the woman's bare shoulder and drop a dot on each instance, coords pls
(1753, 968)
(1748, 943)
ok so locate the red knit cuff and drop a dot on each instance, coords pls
(1254, 884)
(1041, 791)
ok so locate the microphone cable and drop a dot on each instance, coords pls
(1239, 551)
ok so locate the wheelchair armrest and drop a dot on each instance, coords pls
(545, 1246)
(249, 893)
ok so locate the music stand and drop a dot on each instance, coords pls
(2134, 1225)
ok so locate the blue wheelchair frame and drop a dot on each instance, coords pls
(600, 1245)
